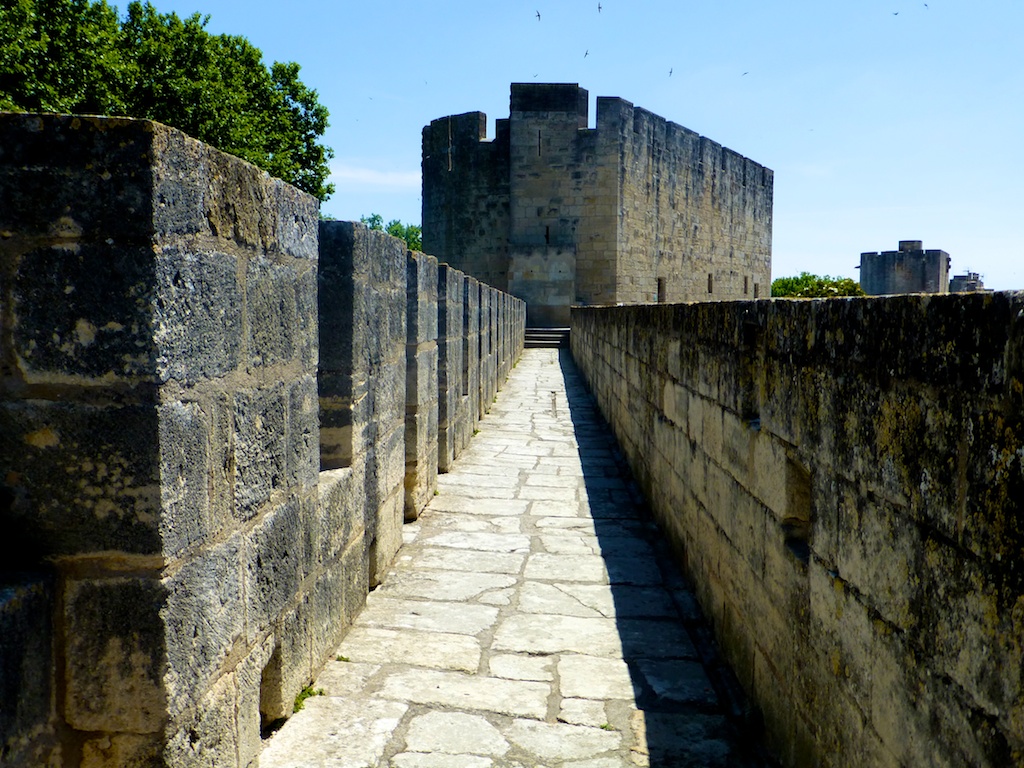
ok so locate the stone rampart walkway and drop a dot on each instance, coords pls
(529, 619)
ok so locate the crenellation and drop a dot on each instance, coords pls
(205, 395)
(637, 209)
(421, 387)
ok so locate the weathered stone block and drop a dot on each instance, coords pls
(84, 478)
(293, 632)
(387, 537)
(116, 655)
(64, 175)
(185, 472)
(303, 437)
(206, 592)
(271, 560)
(270, 312)
(259, 417)
(126, 749)
(421, 389)
(328, 616)
(83, 310)
(210, 736)
(198, 321)
(27, 684)
(339, 514)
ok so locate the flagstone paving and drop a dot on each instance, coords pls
(530, 620)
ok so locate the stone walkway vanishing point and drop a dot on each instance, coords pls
(529, 620)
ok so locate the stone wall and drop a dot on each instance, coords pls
(696, 216)
(910, 269)
(637, 209)
(465, 219)
(421, 388)
(203, 395)
(844, 482)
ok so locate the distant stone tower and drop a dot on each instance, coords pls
(911, 269)
(969, 282)
(638, 209)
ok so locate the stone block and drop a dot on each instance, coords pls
(260, 454)
(421, 297)
(83, 311)
(972, 637)
(355, 567)
(124, 749)
(738, 439)
(209, 736)
(339, 515)
(198, 321)
(387, 536)
(200, 191)
(303, 439)
(272, 558)
(711, 431)
(271, 305)
(388, 462)
(84, 478)
(328, 615)
(259, 702)
(56, 164)
(307, 319)
(387, 401)
(421, 386)
(27, 684)
(879, 553)
(186, 476)
(769, 482)
(205, 618)
(115, 654)
(293, 631)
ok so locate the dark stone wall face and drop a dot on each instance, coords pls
(158, 389)
(197, 493)
(844, 481)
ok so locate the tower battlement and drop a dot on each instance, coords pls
(636, 209)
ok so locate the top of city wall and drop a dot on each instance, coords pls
(614, 114)
(181, 186)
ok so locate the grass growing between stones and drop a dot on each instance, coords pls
(304, 694)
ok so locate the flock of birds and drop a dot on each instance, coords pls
(599, 7)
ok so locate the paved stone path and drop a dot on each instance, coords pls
(528, 621)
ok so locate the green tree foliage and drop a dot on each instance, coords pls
(808, 286)
(411, 233)
(78, 56)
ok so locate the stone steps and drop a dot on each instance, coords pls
(547, 338)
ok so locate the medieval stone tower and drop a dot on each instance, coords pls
(638, 209)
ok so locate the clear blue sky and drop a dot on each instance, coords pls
(884, 120)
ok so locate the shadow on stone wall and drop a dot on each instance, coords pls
(691, 708)
(843, 481)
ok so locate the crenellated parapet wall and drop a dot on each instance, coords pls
(637, 209)
(844, 482)
(205, 406)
